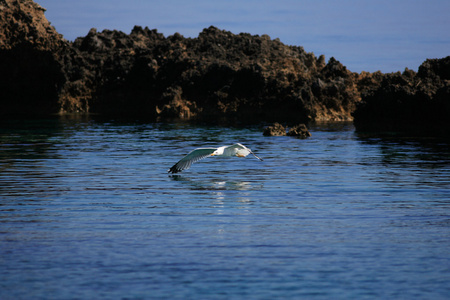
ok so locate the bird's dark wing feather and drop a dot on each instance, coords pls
(192, 157)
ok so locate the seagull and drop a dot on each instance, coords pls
(195, 155)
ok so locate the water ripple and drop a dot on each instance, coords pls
(87, 210)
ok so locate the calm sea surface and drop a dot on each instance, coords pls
(88, 211)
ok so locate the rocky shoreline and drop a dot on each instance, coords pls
(409, 101)
(217, 76)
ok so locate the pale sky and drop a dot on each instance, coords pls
(386, 35)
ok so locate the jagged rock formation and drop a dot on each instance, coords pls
(299, 130)
(276, 129)
(409, 101)
(23, 23)
(217, 76)
(30, 74)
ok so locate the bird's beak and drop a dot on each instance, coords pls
(212, 154)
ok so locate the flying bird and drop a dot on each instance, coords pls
(201, 153)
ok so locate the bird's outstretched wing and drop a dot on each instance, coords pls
(192, 157)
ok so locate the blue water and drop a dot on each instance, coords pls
(88, 211)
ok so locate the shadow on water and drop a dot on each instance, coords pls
(332, 126)
(429, 152)
(411, 164)
(30, 150)
(24, 143)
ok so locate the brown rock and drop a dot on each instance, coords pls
(24, 22)
(31, 74)
(177, 107)
(275, 130)
(216, 76)
(409, 101)
(299, 130)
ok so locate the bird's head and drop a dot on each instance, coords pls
(219, 151)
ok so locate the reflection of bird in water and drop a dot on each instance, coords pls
(201, 153)
(215, 184)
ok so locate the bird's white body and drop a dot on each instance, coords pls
(234, 150)
(201, 153)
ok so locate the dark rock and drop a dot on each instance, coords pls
(218, 75)
(435, 69)
(243, 77)
(275, 130)
(31, 76)
(409, 102)
(24, 23)
(299, 130)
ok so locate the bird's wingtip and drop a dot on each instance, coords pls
(173, 170)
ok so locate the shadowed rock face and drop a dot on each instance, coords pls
(29, 82)
(30, 74)
(217, 76)
(410, 101)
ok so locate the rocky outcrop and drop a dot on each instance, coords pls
(409, 101)
(23, 23)
(277, 129)
(30, 74)
(218, 76)
(300, 131)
